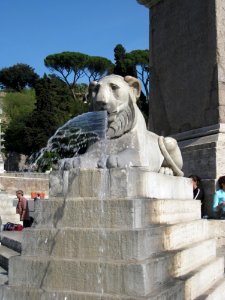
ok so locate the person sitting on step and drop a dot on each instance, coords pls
(198, 193)
(219, 199)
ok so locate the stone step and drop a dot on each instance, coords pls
(216, 292)
(201, 285)
(5, 255)
(119, 182)
(202, 279)
(181, 235)
(136, 279)
(3, 276)
(129, 213)
(188, 259)
(12, 239)
(112, 244)
(173, 290)
(221, 252)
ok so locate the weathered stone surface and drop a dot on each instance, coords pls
(172, 290)
(215, 292)
(133, 279)
(180, 235)
(110, 244)
(113, 244)
(116, 246)
(117, 182)
(217, 231)
(184, 88)
(197, 283)
(114, 213)
(35, 182)
(192, 257)
(204, 155)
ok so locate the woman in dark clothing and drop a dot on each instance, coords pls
(198, 192)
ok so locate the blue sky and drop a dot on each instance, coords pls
(33, 29)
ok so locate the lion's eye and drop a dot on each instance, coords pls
(114, 86)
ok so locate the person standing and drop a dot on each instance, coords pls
(22, 209)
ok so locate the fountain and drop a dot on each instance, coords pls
(120, 221)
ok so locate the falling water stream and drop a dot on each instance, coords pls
(72, 139)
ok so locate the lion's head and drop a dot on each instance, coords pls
(117, 95)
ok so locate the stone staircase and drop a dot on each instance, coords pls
(134, 247)
(10, 242)
(10, 245)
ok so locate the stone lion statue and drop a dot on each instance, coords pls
(128, 143)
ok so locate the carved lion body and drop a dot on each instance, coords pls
(129, 143)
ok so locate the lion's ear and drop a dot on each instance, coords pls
(91, 88)
(90, 94)
(135, 84)
(92, 84)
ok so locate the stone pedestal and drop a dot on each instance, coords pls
(116, 234)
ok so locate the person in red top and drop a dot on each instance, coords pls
(22, 209)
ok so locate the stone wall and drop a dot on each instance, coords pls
(28, 182)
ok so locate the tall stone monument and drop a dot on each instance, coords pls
(187, 62)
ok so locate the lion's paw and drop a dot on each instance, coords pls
(112, 161)
(69, 163)
(166, 171)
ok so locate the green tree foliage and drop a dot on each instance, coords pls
(54, 107)
(72, 66)
(123, 65)
(140, 59)
(16, 108)
(69, 65)
(98, 67)
(29, 130)
(14, 135)
(17, 77)
(134, 64)
(16, 105)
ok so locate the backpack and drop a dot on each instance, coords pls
(11, 226)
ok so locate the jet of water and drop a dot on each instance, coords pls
(72, 139)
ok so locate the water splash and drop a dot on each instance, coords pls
(72, 139)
